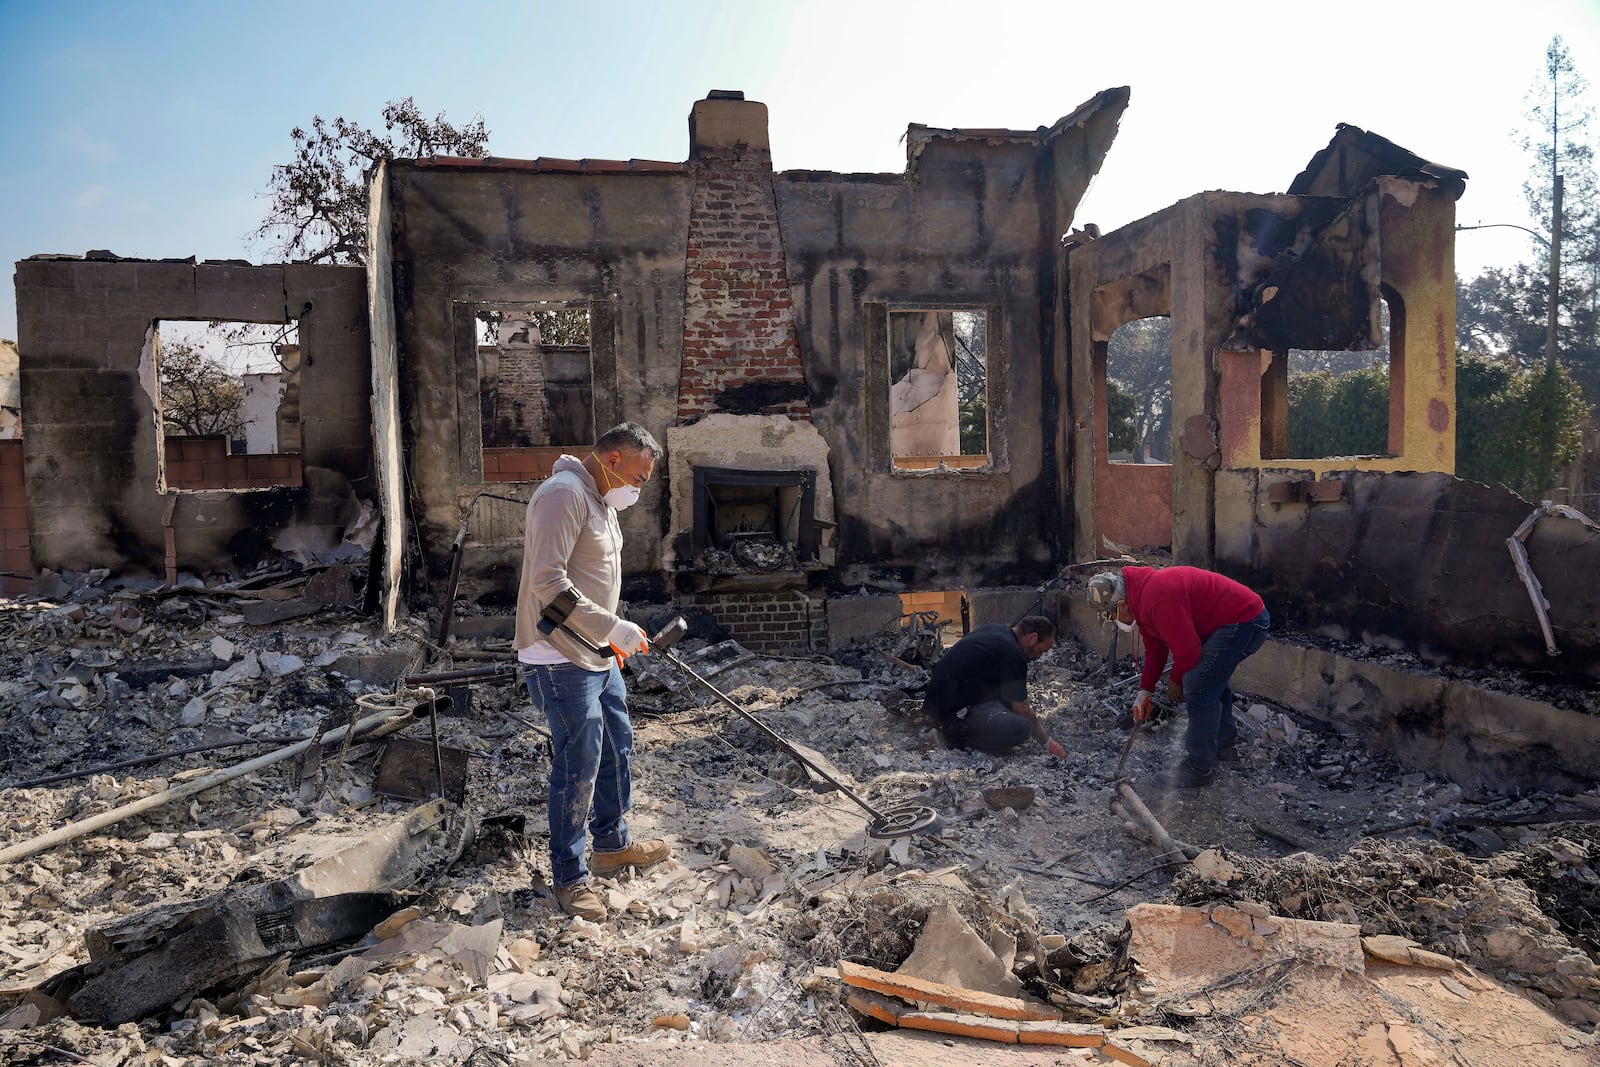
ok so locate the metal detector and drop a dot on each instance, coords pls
(900, 821)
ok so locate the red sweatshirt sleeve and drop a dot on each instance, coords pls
(1155, 658)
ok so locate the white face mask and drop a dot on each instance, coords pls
(1125, 627)
(622, 496)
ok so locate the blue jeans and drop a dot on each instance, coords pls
(1206, 693)
(590, 781)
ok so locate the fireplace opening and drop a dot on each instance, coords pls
(753, 521)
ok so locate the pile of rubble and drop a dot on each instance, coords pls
(320, 906)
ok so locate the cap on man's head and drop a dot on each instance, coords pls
(1106, 590)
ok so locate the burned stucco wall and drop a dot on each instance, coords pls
(1245, 279)
(973, 223)
(1414, 561)
(1172, 263)
(607, 237)
(91, 448)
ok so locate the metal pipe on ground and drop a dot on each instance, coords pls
(83, 827)
(896, 822)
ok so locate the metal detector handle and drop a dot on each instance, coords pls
(547, 627)
(554, 617)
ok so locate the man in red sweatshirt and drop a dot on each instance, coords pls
(1209, 624)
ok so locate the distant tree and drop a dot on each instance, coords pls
(558, 325)
(1120, 435)
(319, 203)
(1139, 360)
(973, 416)
(1343, 415)
(969, 355)
(1505, 430)
(1557, 137)
(1504, 312)
(198, 396)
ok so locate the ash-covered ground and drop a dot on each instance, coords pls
(771, 879)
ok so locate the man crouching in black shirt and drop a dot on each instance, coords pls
(978, 694)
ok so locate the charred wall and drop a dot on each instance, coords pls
(974, 222)
(1414, 561)
(91, 450)
(612, 242)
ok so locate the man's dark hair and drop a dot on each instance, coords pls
(628, 437)
(1035, 624)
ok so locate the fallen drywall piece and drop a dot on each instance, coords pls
(950, 952)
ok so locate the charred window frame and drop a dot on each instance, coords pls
(1338, 405)
(226, 402)
(577, 381)
(978, 385)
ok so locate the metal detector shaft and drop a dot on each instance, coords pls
(672, 658)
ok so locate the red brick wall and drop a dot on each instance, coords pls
(204, 463)
(768, 622)
(738, 325)
(524, 464)
(14, 554)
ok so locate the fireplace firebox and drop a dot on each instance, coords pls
(734, 507)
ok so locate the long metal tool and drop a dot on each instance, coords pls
(1127, 747)
(901, 821)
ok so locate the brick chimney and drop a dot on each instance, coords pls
(740, 353)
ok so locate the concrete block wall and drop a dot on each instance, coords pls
(14, 551)
(768, 622)
(92, 446)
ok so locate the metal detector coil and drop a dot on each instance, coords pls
(902, 821)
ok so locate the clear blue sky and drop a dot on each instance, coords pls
(151, 128)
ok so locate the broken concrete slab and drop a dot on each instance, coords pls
(1478, 737)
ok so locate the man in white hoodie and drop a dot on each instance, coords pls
(571, 641)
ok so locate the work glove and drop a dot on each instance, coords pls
(626, 640)
(1141, 706)
(1056, 749)
(1175, 689)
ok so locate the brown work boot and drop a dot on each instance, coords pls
(581, 901)
(639, 854)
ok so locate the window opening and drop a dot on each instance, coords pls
(1139, 392)
(938, 402)
(227, 402)
(535, 386)
(1338, 402)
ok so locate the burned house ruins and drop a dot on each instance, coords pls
(885, 401)
(794, 340)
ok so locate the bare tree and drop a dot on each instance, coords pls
(198, 397)
(319, 200)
